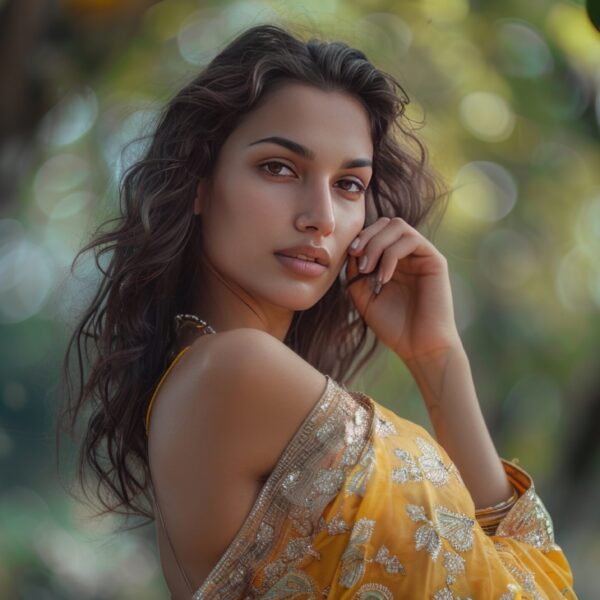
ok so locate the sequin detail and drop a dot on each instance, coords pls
(294, 584)
(384, 428)
(446, 594)
(454, 565)
(391, 563)
(528, 521)
(428, 465)
(353, 559)
(456, 528)
(373, 591)
(525, 578)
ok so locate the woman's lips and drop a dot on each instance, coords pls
(302, 267)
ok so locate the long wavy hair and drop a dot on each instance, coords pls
(152, 249)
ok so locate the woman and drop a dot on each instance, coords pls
(276, 210)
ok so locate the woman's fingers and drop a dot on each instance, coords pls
(374, 240)
(386, 242)
(392, 254)
(367, 234)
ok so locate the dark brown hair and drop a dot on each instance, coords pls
(152, 247)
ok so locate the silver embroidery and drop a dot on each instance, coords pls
(373, 591)
(384, 428)
(454, 527)
(353, 559)
(354, 431)
(410, 472)
(454, 564)
(337, 525)
(431, 462)
(528, 521)
(390, 562)
(446, 594)
(428, 465)
(292, 585)
(526, 578)
(329, 481)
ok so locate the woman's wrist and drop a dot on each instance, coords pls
(446, 384)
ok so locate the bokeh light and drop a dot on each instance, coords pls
(487, 116)
(484, 190)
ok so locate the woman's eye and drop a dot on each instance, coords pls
(278, 166)
(359, 187)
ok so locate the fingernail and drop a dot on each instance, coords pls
(362, 262)
(354, 245)
(377, 287)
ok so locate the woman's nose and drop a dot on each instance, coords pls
(317, 209)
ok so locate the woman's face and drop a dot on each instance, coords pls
(268, 196)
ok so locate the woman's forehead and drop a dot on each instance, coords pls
(321, 121)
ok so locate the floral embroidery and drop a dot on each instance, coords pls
(410, 472)
(354, 431)
(525, 577)
(390, 562)
(428, 465)
(383, 427)
(432, 464)
(454, 564)
(337, 525)
(446, 594)
(294, 584)
(443, 594)
(353, 558)
(373, 591)
(454, 527)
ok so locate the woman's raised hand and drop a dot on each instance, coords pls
(413, 312)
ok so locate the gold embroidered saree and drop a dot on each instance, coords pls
(363, 504)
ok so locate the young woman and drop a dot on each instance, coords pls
(270, 227)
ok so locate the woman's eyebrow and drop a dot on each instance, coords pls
(304, 152)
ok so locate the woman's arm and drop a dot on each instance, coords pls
(445, 381)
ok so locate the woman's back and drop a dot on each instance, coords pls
(220, 421)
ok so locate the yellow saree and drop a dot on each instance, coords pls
(365, 505)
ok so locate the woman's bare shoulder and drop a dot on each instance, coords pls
(245, 391)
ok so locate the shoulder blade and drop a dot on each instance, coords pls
(240, 400)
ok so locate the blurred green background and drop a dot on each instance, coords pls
(510, 94)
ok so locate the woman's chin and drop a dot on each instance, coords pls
(298, 301)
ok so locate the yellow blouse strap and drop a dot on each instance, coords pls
(164, 375)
